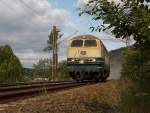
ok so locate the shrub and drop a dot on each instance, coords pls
(135, 97)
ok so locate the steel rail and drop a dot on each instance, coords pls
(28, 83)
(12, 91)
(31, 85)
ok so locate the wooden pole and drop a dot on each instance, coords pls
(54, 56)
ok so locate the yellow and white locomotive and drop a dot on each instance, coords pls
(87, 59)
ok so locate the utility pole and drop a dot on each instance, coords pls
(54, 51)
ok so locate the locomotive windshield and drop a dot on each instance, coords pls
(77, 43)
(90, 43)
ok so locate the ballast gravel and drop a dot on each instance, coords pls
(96, 98)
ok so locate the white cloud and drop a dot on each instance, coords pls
(40, 17)
(26, 25)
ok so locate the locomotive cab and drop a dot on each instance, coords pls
(86, 58)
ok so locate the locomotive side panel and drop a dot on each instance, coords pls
(106, 57)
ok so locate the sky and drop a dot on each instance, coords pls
(26, 24)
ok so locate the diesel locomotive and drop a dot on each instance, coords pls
(87, 59)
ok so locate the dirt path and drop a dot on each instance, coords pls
(97, 98)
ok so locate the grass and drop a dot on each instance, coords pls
(44, 95)
(133, 100)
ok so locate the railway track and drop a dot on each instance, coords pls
(8, 92)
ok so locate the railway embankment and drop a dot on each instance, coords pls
(95, 98)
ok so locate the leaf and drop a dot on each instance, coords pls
(99, 29)
(81, 13)
(97, 18)
(92, 29)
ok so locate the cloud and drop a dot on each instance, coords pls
(82, 2)
(30, 57)
(35, 15)
(25, 25)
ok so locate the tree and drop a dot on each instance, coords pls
(126, 18)
(42, 69)
(10, 67)
(48, 48)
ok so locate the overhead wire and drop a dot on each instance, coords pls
(35, 12)
(6, 5)
(13, 10)
(69, 36)
(59, 42)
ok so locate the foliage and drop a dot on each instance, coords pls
(125, 18)
(134, 100)
(28, 72)
(137, 63)
(50, 40)
(136, 68)
(10, 67)
(62, 71)
(43, 70)
(49, 43)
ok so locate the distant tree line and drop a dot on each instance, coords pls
(43, 69)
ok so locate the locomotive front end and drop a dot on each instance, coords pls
(84, 59)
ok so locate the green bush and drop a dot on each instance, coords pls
(135, 97)
(10, 67)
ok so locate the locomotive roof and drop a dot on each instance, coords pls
(85, 37)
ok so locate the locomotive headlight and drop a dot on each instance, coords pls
(91, 60)
(94, 60)
(72, 60)
(81, 61)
